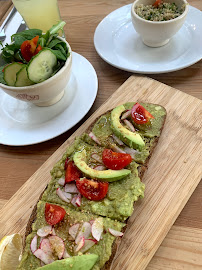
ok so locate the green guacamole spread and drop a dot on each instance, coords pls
(118, 204)
(102, 248)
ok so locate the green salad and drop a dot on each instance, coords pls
(33, 56)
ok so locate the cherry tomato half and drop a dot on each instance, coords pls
(54, 213)
(72, 173)
(92, 190)
(140, 115)
(115, 161)
(29, 48)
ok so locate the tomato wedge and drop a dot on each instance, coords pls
(92, 190)
(140, 115)
(54, 213)
(38, 49)
(115, 161)
(72, 173)
(156, 3)
(29, 48)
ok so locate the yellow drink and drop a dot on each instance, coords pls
(40, 14)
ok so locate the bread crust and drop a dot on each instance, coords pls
(141, 170)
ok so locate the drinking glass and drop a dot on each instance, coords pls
(38, 14)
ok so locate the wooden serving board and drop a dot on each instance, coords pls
(173, 174)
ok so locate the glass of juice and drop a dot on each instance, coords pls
(38, 14)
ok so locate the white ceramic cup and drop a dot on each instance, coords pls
(157, 33)
(45, 93)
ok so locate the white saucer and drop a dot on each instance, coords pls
(117, 42)
(23, 123)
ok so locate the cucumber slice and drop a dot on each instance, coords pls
(22, 78)
(41, 66)
(10, 72)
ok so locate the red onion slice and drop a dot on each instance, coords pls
(117, 140)
(97, 228)
(78, 200)
(96, 157)
(94, 138)
(61, 181)
(33, 245)
(62, 196)
(71, 188)
(73, 230)
(129, 125)
(126, 114)
(57, 244)
(73, 201)
(115, 233)
(46, 230)
(117, 149)
(100, 168)
(45, 258)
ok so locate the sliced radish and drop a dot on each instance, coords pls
(126, 114)
(91, 222)
(117, 140)
(73, 201)
(100, 168)
(80, 244)
(117, 149)
(94, 138)
(61, 181)
(129, 125)
(71, 188)
(78, 200)
(96, 157)
(62, 196)
(45, 258)
(88, 244)
(85, 232)
(44, 231)
(41, 263)
(57, 244)
(66, 254)
(33, 245)
(73, 230)
(97, 228)
(115, 233)
(46, 246)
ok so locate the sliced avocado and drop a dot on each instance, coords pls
(73, 263)
(106, 175)
(132, 139)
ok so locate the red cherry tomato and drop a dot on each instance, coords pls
(115, 161)
(54, 213)
(156, 3)
(140, 115)
(38, 49)
(72, 173)
(92, 190)
(29, 47)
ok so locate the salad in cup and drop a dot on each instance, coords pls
(33, 56)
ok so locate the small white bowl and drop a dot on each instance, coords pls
(45, 93)
(157, 33)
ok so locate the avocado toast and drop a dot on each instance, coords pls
(97, 179)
